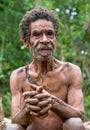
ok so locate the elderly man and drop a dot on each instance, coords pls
(46, 94)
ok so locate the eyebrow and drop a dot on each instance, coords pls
(38, 30)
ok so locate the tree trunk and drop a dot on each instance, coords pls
(36, 3)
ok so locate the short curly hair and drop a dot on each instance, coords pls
(33, 15)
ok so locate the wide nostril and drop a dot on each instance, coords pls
(44, 39)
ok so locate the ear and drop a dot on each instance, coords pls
(56, 36)
(26, 43)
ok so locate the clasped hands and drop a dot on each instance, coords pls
(38, 101)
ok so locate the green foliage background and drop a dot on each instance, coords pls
(73, 41)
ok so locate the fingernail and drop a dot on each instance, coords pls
(50, 105)
(23, 94)
(25, 100)
(49, 94)
(30, 112)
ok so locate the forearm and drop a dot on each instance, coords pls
(64, 110)
(22, 117)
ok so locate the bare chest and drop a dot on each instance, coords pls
(55, 84)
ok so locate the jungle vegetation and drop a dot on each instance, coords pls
(73, 41)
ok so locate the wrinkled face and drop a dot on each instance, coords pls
(42, 40)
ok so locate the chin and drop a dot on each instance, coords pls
(44, 58)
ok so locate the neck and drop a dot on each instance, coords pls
(42, 67)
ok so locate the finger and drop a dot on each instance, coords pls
(34, 87)
(37, 88)
(45, 109)
(32, 101)
(34, 113)
(34, 108)
(43, 103)
(42, 95)
(43, 116)
(29, 93)
(27, 108)
(40, 89)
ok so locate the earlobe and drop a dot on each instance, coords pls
(26, 43)
(57, 37)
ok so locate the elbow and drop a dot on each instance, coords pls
(79, 114)
(82, 116)
(13, 120)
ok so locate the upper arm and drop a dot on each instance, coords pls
(75, 94)
(15, 86)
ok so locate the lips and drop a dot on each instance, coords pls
(44, 49)
(47, 48)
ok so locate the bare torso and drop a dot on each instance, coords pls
(56, 82)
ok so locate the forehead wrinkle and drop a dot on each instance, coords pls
(41, 24)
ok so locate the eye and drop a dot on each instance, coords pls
(50, 32)
(36, 33)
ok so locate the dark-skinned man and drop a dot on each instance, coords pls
(46, 94)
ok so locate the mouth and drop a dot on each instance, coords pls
(42, 47)
(46, 52)
(45, 49)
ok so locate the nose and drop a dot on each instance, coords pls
(44, 39)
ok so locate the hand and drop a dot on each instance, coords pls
(31, 102)
(44, 103)
(38, 100)
(44, 99)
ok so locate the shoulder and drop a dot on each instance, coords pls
(74, 69)
(67, 66)
(74, 74)
(18, 73)
(16, 79)
(70, 70)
